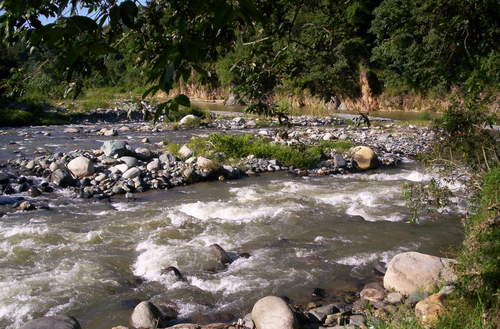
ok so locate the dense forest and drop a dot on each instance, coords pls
(328, 49)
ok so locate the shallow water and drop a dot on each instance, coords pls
(80, 257)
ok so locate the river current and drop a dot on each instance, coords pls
(95, 259)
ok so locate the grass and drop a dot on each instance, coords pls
(228, 148)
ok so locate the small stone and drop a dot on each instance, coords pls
(357, 320)
(123, 167)
(129, 161)
(111, 148)
(34, 192)
(204, 163)
(153, 165)
(394, 298)
(71, 130)
(145, 140)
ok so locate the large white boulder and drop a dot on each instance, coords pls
(272, 312)
(81, 167)
(411, 271)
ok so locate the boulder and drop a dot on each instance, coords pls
(220, 254)
(4, 178)
(185, 152)
(272, 312)
(145, 316)
(411, 271)
(364, 157)
(112, 148)
(62, 178)
(327, 137)
(189, 120)
(53, 322)
(428, 310)
(81, 167)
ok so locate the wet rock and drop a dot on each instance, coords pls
(272, 312)
(220, 254)
(185, 152)
(364, 157)
(429, 309)
(108, 132)
(145, 316)
(25, 206)
(62, 178)
(379, 268)
(321, 313)
(112, 148)
(81, 167)
(53, 322)
(145, 140)
(339, 161)
(175, 271)
(4, 178)
(411, 271)
(30, 165)
(129, 161)
(71, 130)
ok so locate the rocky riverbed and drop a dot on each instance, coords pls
(98, 225)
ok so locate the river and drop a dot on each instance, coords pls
(84, 258)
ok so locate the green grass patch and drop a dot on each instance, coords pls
(224, 148)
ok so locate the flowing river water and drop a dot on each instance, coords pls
(84, 258)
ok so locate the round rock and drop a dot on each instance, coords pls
(272, 312)
(81, 167)
(411, 271)
(364, 157)
(145, 316)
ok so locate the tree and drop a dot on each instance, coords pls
(170, 39)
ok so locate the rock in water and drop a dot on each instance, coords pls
(204, 163)
(220, 254)
(53, 322)
(145, 316)
(411, 271)
(272, 312)
(81, 167)
(61, 178)
(364, 157)
(111, 148)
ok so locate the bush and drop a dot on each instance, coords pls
(479, 263)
